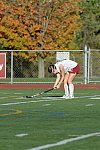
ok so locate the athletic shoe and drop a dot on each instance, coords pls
(65, 97)
(71, 97)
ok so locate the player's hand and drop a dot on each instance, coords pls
(55, 87)
(58, 86)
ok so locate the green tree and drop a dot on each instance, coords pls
(90, 17)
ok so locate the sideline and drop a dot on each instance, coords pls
(65, 141)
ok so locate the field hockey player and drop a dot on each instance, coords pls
(66, 72)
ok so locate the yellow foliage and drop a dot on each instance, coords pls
(26, 24)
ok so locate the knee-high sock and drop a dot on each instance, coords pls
(71, 90)
(66, 89)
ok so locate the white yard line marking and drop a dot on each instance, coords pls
(74, 135)
(21, 135)
(45, 99)
(51, 98)
(17, 93)
(95, 98)
(92, 96)
(27, 102)
(89, 105)
(65, 141)
(46, 104)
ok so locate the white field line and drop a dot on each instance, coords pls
(46, 104)
(65, 141)
(89, 105)
(45, 99)
(27, 102)
(21, 135)
(95, 97)
(92, 97)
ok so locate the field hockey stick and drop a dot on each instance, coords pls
(38, 94)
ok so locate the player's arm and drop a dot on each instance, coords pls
(57, 80)
(62, 75)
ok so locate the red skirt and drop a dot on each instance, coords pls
(76, 69)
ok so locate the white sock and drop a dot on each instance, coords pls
(71, 90)
(66, 89)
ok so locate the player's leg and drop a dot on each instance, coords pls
(66, 88)
(71, 85)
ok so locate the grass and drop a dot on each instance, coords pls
(47, 121)
(37, 80)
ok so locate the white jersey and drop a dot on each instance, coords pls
(68, 65)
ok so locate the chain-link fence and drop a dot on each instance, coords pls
(94, 66)
(32, 66)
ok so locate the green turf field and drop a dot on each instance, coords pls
(49, 122)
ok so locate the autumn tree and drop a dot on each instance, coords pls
(32, 24)
(63, 25)
(38, 24)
